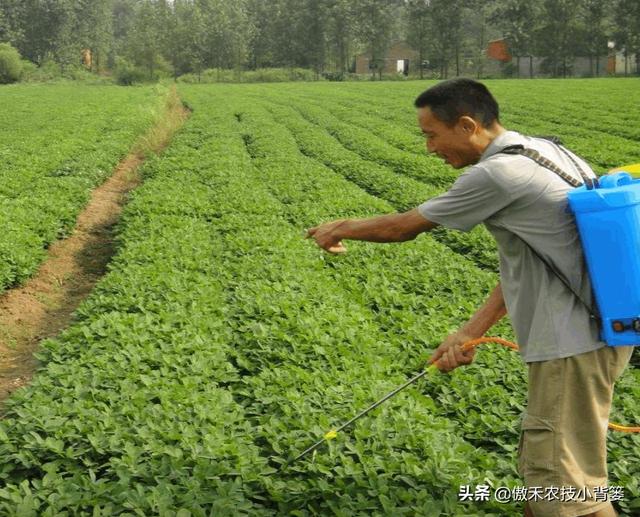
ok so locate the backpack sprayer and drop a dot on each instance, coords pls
(608, 219)
(607, 213)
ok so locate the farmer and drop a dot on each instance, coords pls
(523, 204)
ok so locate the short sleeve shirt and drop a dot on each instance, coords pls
(524, 206)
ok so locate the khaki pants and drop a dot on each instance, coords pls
(564, 429)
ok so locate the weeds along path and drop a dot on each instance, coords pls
(44, 305)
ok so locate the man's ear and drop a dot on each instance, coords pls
(467, 125)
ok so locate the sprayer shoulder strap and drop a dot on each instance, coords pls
(534, 155)
(594, 314)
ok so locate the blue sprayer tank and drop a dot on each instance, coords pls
(608, 220)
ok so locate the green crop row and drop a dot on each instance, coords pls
(292, 177)
(371, 147)
(416, 300)
(221, 344)
(602, 151)
(56, 144)
(621, 447)
(605, 106)
(131, 414)
(607, 139)
(402, 192)
(595, 118)
(307, 191)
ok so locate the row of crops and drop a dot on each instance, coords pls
(221, 344)
(56, 144)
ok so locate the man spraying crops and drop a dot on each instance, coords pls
(544, 286)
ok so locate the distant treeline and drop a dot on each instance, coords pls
(161, 37)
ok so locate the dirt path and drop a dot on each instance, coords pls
(44, 305)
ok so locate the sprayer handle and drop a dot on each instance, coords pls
(617, 179)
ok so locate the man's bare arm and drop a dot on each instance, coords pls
(492, 311)
(449, 354)
(399, 227)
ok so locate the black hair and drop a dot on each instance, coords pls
(452, 99)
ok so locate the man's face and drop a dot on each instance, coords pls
(454, 144)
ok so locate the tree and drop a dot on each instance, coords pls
(10, 64)
(418, 28)
(66, 48)
(227, 32)
(165, 24)
(340, 32)
(123, 16)
(518, 21)
(446, 22)
(184, 44)
(46, 31)
(478, 30)
(595, 16)
(313, 20)
(11, 16)
(3, 24)
(260, 47)
(143, 44)
(237, 34)
(627, 36)
(557, 39)
(193, 35)
(94, 29)
(375, 25)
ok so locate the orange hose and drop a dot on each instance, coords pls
(475, 342)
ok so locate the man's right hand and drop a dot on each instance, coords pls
(327, 236)
(449, 355)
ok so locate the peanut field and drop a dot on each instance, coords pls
(220, 344)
